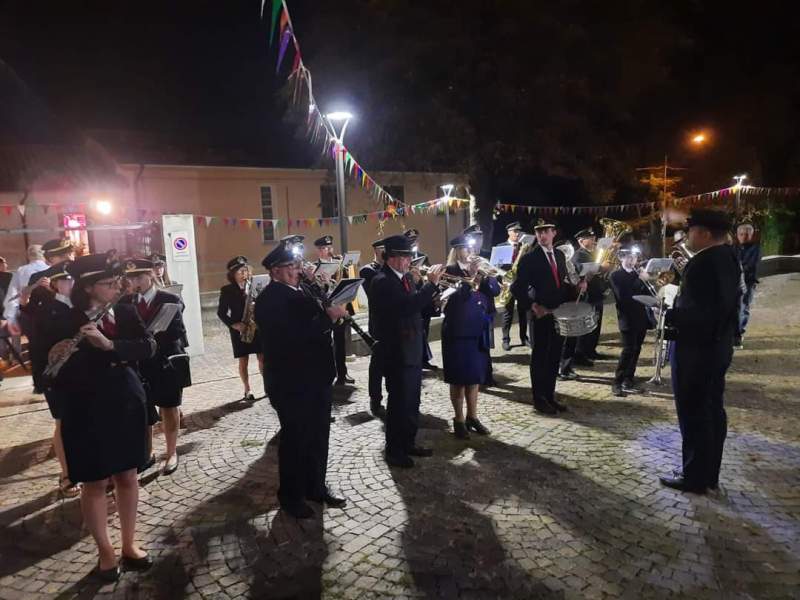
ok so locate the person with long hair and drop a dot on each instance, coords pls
(231, 309)
(103, 406)
(466, 337)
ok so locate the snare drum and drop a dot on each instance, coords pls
(574, 319)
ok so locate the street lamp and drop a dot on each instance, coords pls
(447, 188)
(738, 187)
(343, 118)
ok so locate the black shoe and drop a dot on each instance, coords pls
(678, 474)
(429, 366)
(460, 430)
(301, 510)
(136, 564)
(679, 483)
(377, 410)
(559, 406)
(345, 380)
(331, 500)
(404, 462)
(150, 462)
(506, 345)
(108, 575)
(616, 390)
(567, 375)
(419, 451)
(582, 361)
(475, 425)
(545, 408)
(630, 388)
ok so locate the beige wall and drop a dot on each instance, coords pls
(235, 192)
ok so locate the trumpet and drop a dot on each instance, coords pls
(447, 280)
(487, 269)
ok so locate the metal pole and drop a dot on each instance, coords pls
(340, 198)
(664, 212)
(446, 228)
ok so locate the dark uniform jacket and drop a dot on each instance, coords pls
(367, 273)
(749, 256)
(596, 285)
(706, 309)
(468, 313)
(231, 304)
(164, 376)
(534, 272)
(398, 316)
(43, 313)
(632, 315)
(297, 345)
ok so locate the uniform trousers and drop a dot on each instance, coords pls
(339, 349)
(698, 376)
(546, 354)
(376, 373)
(744, 308)
(427, 354)
(303, 449)
(508, 320)
(404, 384)
(631, 348)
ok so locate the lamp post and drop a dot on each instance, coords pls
(343, 118)
(447, 189)
(738, 187)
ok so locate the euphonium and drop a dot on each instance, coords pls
(681, 255)
(248, 318)
(611, 229)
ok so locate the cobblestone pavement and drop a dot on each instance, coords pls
(566, 507)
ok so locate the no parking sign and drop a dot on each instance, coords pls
(181, 251)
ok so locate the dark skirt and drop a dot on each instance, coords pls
(241, 348)
(105, 427)
(465, 361)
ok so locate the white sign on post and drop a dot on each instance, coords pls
(178, 231)
(181, 251)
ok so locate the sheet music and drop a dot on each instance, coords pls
(163, 317)
(259, 283)
(589, 268)
(352, 258)
(346, 291)
(528, 238)
(329, 268)
(658, 265)
(501, 255)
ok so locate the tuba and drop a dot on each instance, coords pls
(248, 317)
(611, 229)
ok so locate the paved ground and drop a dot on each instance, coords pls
(545, 507)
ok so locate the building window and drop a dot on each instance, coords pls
(327, 201)
(395, 191)
(267, 228)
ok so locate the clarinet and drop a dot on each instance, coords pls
(316, 293)
(61, 352)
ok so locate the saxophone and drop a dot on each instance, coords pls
(248, 319)
(511, 275)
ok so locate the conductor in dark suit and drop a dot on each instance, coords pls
(706, 318)
(633, 317)
(166, 373)
(367, 273)
(397, 306)
(542, 284)
(299, 339)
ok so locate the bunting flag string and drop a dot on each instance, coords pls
(573, 210)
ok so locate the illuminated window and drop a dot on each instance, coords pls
(267, 228)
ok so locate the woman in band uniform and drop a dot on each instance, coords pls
(231, 310)
(104, 414)
(466, 338)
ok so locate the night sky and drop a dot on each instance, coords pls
(583, 91)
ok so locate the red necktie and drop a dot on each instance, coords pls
(406, 284)
(554, 268)
(142, 307)
(108, 326)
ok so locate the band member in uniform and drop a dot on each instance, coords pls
(299, 337)
(514, 234)
(429, 312)
(596, 290)
(104, 414)
(231, 311)
(367, 272)
(542, 284)
(633, 317)
(160, 270)
(474, 241)
(397, 308)
(41, 313)
(706, 319)
(324, 246)
(166, 373)
(749, 254)
(466, 333)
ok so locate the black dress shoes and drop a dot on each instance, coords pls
(419, 451)
(107, 575)
(346, 380)
(300, 510)
(331, 500)
(136, 564)
(401, 461)
(678, 474)
(473, 424)
(568, 375)
(616, 390)
(506, 345)
(559, 406)
(545, 408)
(680, 484)
(430, 366)
(630, 387)
(460, 430)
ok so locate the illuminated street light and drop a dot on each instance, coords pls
(344, 118)
(699, 138)
(339, 116)
(739, 179)
(447, 188)
(103, 207)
